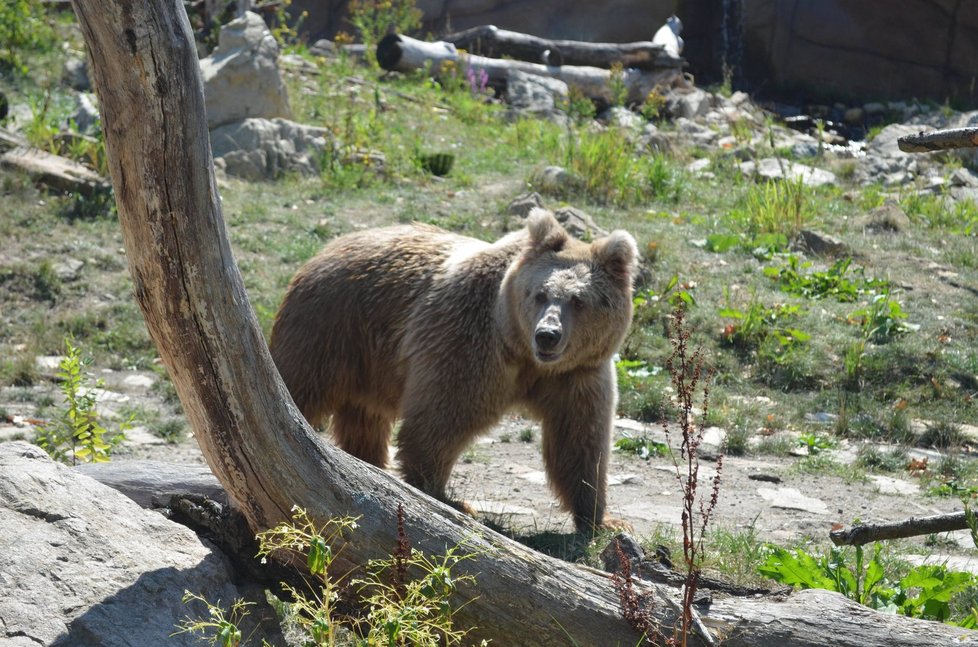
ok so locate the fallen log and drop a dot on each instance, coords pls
(56, 172)
(864, 533)
(939, 140)
(396, 52)
(492, 42)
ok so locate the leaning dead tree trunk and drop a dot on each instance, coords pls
(400, 53)
(490, 41)
(267, 458)
(144, 67)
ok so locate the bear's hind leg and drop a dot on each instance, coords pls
(363, 433)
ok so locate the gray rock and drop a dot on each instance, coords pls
(259, 149)
(622, 118)
(653, 140)
(86, 115)
(818, 244)
(241, 78)
(522, 205)
(67, 269)
(555, 180)
(578, 223)
(84, 565)
(529, 94)
(75, 74)
(688, 102)
(773, 168)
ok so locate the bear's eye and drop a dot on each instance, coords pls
(541, 297)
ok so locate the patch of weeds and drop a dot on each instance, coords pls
(783, 208)
(172, 431)
(642, 392)
(823, 464)
(526, 435)
(736, 553)
(24, 29)
(642, 446)
(755, 324)
(833, 282)
(942, 212)
(374, 19)
(39, 283)
(815, 443)
(787, 366)
(77, 434)
(737, 440)
(407, 599)
(893, 460)
(20, 369)
(883, 319)
(775, 445)
(923, 592)
(942, 435)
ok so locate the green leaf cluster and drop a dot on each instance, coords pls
(833, 282)
(77, 434)
(924, 592)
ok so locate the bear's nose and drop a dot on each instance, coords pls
(547, 338)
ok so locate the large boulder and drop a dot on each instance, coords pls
(84, 565)
(241, 78)
(264, 149)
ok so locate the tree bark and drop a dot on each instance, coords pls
(939, 140)
(490, 41)
(405, 54)
(145, 70)
(866, 532)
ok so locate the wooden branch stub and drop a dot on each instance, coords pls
(939, 140)
(867, 532)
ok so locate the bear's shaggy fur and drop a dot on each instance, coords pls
(447, 333)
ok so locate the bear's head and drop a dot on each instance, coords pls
(569, 302)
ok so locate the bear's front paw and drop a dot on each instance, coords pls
(617, 525)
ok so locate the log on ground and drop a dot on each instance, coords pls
(492, 42)
(400, 53)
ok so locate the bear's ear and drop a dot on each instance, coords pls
(618, 255)
(546, 234)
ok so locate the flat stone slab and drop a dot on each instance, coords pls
(791, 499)
(890, 485)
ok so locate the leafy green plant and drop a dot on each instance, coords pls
(815, 443)
(220, 627)
(833, 282)
(396, 610)
(374, 19)
(616, 84)
(642, 446)
(23, 28)
(752, 326)
(923, 592)
(77, 434)
(883, 319)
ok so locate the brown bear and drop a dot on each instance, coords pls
(447, 333)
